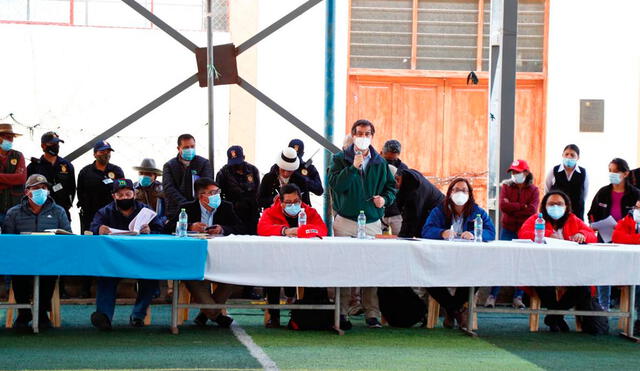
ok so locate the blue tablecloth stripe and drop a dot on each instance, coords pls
(151, 257)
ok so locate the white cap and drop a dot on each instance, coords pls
(288, 160)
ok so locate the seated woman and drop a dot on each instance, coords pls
(627, 231)
(562, 224)
(454, 218)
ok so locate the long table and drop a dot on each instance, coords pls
(348, 262)
(148, 256)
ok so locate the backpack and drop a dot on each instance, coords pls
(401, 307)
(312, 319)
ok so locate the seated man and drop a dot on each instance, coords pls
(118, 215)
(281, 219)
(36, 212)
(209, 214)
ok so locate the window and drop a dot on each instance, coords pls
(180, 14)
(438, 34)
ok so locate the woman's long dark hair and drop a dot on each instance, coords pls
(543, 208)
(449, 204)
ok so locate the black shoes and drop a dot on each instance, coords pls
(222, 320)
(556, 323)
(201, 319)
(345, 324)
(101, 321)
(136, 322)
(373, 322)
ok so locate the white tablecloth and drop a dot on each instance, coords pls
(345, 262)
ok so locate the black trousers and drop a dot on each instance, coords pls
(450, 303)
(575, 296)
(23, 291)
(273, 297)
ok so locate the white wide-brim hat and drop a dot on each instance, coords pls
(288, 160)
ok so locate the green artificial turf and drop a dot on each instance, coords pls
(504, 344)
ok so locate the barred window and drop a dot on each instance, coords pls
(438, 34)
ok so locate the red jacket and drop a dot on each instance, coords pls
(517, 204)
(572, 226)
(625, 231)
(273, 220)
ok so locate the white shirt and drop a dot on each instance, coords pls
(551, 180)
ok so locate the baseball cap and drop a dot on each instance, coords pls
(101, 146)
(235, 155)
(121, 184)
(50, 137)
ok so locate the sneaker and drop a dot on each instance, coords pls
(224, 321)
(491, 302)
(345, 324)
(552, 322)
(201, 319)
(100, 321)
(136, 322)
(518, 304)
(373, 323)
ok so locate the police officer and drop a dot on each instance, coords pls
(307, 170)
(239, 182)
(95, 182)
(58, 171)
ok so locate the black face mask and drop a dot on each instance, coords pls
(104, 159)
(125, 204)
(53, 150)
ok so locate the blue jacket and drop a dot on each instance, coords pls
(20, 218)
(113, 218)
(436, 224)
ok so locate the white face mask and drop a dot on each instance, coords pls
(636, 215)
(518, 178)
(460, 198)
(284, 180)
(362, 143)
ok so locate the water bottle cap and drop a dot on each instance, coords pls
(540, 215)
(361, 211)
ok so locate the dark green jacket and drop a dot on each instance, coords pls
(352, 189)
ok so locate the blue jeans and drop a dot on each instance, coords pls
(106, 296)
(507, 235)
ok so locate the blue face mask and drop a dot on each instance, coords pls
(188, 153)
(556, 211)
(145, 180)
(615, 178)
(6, 145)
(569, 162)
(214, 201)
(293, 209)
(39, 196)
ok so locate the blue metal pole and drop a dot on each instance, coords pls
(330, 36)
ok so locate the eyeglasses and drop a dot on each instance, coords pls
(291, 202)
(211, 193)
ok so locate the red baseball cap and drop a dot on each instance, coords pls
(519, 166)
(308, 231)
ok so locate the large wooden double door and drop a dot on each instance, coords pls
(442, 124)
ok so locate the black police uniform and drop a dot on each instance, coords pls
(60, 175)
(94, 190)
(242, 191)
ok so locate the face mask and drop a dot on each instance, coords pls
(39, 196)
(285, 180)
(125, 204)
(53, 150)
(556, 211)
(6, 145)
(569, 162)
(293, 209)
(460, 198)
(362, 143)
(615, 178)
(188, 154)
(214, 201)
(518, 178)
(145, 181)
(104, 159)
(636, 215)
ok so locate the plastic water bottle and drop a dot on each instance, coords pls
(452, 233)
(539, 229)
(477, 228)
(181, 231)
(302, 218)
(362, 225)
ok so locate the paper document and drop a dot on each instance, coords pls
(605, 228)
(144, 217)
(559, 243)
(115, 231)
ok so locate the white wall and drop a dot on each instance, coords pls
(594, 53)
(80, 81)
(291, 70)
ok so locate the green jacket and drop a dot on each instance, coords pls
(351, 189)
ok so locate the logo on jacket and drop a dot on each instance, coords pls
(14, 161)
(305, 172)
(111, 175)
(233, 154)
(63, 168)
(250, 178)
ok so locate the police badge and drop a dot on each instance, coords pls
(111, 175)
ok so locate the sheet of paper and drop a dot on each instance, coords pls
(121, 231)
(605, 228)
(144, 217)
(559, 243)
